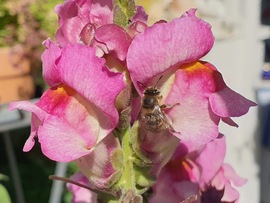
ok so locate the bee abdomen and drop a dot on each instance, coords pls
(152, 121)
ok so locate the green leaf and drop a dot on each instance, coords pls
(144, 178)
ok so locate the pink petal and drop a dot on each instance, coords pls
(67, 10)
(229, 121)
(66, 143)
(155, 148)
(80, 69)
(81, 194)
(165, 45)
(104, 3)
(49, 56)
(226, 102)
(136, 28)
(230, 173)
(74, 126)
(75, 15)
(101, 12)
(191, 115)
(67, 125)
(37, 117)
(140, 15)
(167, 189)
(115, 38)
(214, 153)
(72, 19)
(80, 112)
(103, 165)
(30, 142)
(224, 179)
(70, 31)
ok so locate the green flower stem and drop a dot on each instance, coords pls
(127, 180)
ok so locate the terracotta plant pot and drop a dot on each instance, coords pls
(16, 83)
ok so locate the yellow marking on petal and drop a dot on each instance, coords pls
(60, 94)
(182, 163)
(64, 89)
(186, 165)
(198, 66)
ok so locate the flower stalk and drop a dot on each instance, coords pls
(127, 180)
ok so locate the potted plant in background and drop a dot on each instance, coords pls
(23, 26)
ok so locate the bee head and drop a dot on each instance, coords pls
(151, 91)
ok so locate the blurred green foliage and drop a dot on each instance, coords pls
(19, 18)
(44, 13)
(4, 195)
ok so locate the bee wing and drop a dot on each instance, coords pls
(158, 111)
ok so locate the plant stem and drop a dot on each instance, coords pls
(127, 180)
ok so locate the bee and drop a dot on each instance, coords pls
(152, 114)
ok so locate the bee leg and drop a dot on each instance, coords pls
(168, 106)
(168, 122)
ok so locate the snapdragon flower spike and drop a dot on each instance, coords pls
(173, 50)
(78, 111)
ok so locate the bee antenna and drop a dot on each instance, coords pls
(142, 84)
(158, 80)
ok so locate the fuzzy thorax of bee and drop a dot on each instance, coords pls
(152, 116)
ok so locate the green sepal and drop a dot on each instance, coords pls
(126, 181)
(117, 159)
(143, 177)
(123, 11)
(142, 159)
(119, 17)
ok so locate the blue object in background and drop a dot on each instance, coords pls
(263, 97)
(266, 129)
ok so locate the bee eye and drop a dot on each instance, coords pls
(148, 102)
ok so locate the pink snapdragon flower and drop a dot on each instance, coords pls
(99, 170)
(190, 174)
(103, 166)
(91, 23)
(78, 111)
(195, 90)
